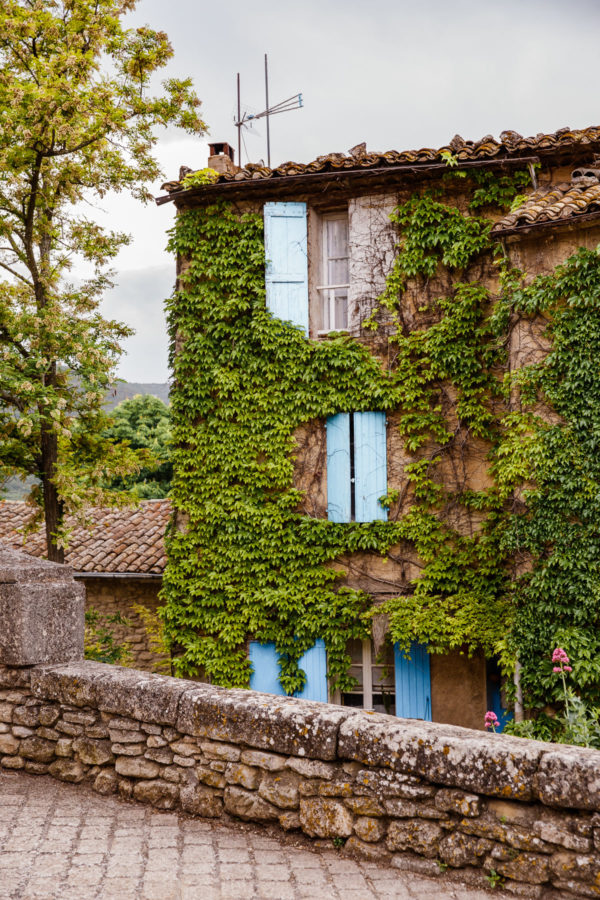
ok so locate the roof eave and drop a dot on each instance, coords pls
(263, 188)
(584, 220)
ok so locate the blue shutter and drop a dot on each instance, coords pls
(413, 683)
(265, 668)
(338, 468)
(314, 664)
(287, 262)
(370, 467)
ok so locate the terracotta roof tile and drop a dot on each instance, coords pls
(509, 145)
(551, 204)
(119, 540)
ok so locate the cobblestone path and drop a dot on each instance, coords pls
(61, 842)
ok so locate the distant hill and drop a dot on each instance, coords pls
(125, 390)
(14, 489)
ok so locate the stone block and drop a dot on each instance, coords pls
(528, 867)
(421, 837)
(106, 782)
(48, 715)
(93, 753)
(325, 818)
(67, 770)
(41, 611)
(263, 721)
(458, 802)
(158, 793)
(280, 788)
(210, 777)
(36, 768)
(374, 852)
(134, 767)
(311, 768)
(198, 800)
(154, 741)
(568, 777)
(64, 747)
(12, 762)
(269, 761)
(289, 821)
(218, 750)
(246, 776)
(161, 755)
(141, 696)
(37, 749)
(369, 829)
(9, 744)
(460, 850)
(445, 754)
(365, 806)
(247, 805)
(26, 715)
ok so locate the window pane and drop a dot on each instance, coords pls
(340, 311)
(337, 237)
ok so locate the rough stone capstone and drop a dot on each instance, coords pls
(41, 611)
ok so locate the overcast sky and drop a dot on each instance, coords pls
(397, 75)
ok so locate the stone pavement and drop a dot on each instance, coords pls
(61, 842)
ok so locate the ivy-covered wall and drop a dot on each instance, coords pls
(490, 379)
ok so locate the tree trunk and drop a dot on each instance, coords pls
(53, 506)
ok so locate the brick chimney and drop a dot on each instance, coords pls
(221, 159)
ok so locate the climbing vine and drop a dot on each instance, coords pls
(509, 561)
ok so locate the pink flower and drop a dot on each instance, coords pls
(491, 720)
(559, 656)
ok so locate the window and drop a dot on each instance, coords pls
(375, 676)
(333, 292)
(389, 683)
(356, 467)
(286, 278)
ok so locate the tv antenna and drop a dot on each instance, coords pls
(291, 103)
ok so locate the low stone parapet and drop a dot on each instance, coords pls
(409, 794)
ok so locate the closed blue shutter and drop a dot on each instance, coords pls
(338, 468)
(413, 683)
(265, 668)
(287, 262)
(314, 664)
(370, 466)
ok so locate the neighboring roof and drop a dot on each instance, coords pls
(126, 540)
(552, 204)
(510, 145)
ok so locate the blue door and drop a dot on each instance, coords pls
(413, 683)
(287, 262)
(265, 670)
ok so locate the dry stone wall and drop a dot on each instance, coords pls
(409, 794)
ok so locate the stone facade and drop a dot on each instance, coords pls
(120, 596)
(412, 795)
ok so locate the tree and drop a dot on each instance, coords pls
(77, 121)
(144, 422)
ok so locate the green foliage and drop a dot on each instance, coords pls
(101, 644)
(246, 561)
(249, 562)
(143, 422)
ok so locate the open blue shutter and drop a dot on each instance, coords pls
(370, 466)
(413, 683)
(338, 468)
(287, 262)
(265, 668)
(314, 664)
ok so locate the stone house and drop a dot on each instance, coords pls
(330, 244)
(120, 560)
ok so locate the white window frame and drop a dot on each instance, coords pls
(326, 291)
(367, 673)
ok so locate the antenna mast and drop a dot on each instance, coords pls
(291, 103)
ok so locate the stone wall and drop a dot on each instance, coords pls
(409, 794)
(112, 596)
